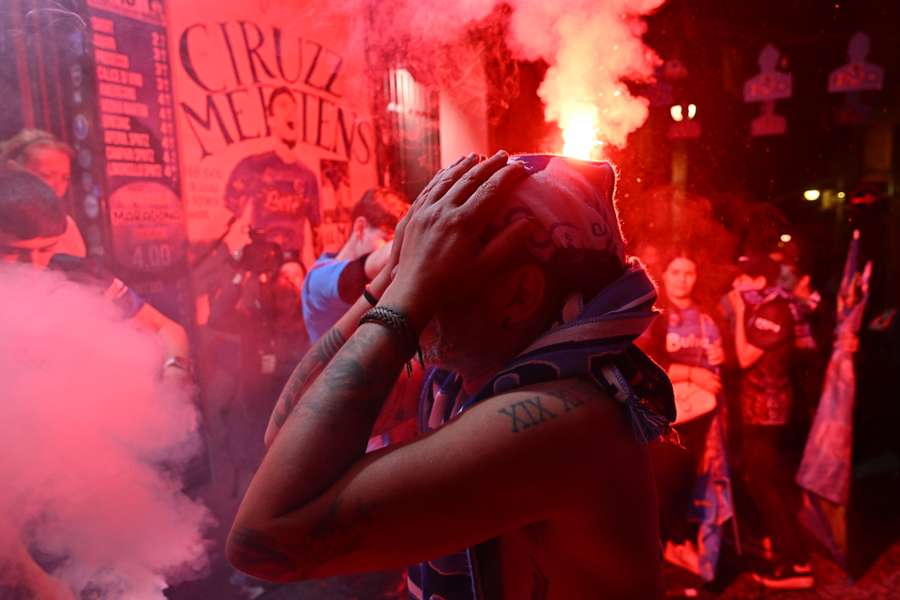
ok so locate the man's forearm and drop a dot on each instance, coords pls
(310, 366)
(324, 436)
(315, 360)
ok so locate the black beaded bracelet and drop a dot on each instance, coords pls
(399, 324)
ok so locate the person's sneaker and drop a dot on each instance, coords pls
(683, 555)
(797, 577)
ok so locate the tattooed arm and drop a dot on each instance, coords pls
(319, 356)
(321, 438)
(509, 461)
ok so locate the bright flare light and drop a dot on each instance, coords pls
(786, 237)
(677, 112)
(692, 111)
(580, 133)
(812, 195)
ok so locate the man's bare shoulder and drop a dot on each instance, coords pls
(570, 404)
(598, 530)
(560, 424)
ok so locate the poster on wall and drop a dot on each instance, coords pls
(127, 152)
(276, 137)
(336, 203)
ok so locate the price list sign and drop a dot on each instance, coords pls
(134, 135)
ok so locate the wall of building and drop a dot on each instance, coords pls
(464, 126)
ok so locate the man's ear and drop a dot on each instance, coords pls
(525, 289)
(359, 227)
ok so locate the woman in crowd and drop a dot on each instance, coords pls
(686, 342)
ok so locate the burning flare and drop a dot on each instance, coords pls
(592, 49)
(579, 132)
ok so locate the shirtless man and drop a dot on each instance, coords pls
(540, 471)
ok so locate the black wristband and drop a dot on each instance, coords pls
(370, 298)
(399, 324)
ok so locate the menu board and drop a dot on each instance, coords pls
(131, 135)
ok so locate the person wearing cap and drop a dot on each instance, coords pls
(764, 332)
(531, 477)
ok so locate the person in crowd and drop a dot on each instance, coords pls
(804, 298)
(256, 339)
(265, 307)
(337, 280)
(273, 191)
(686, 342)
(32, 226)
(263, 310)
(763, 343)
(534, 306)
(808, 362)
(42, 154)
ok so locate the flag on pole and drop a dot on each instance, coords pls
(824, 473)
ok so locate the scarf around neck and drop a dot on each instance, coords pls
(596, 346)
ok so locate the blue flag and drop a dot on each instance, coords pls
(824, 472)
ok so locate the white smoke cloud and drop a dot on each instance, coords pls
(592, 46)
(86, 424)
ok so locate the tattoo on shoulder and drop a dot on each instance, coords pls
(525, 414)
(528, 413)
